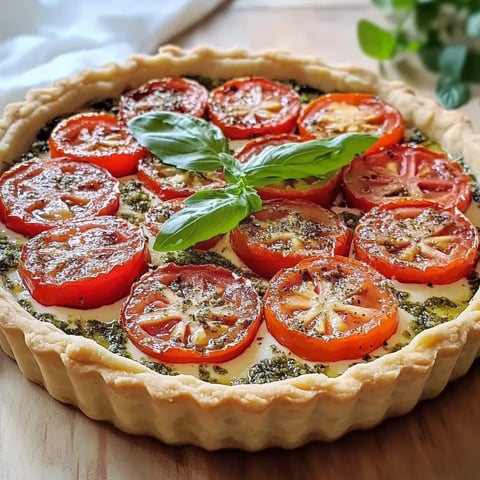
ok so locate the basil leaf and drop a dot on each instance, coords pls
(452, 92)
(452, 60)
(473, 25)
(232, 167)
(375, 41)
(184, 141)
(206, 214)
(299, 160)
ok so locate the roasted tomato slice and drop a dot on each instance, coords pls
(322, 191)
(337, 113)
(287, 231)
(83, 264)
(402, 171)
(169, 182)
(417, 241)
(39, 194)
(249, 107)
(192, 314)
(330, 309)
(162, 211)
(97, 138)
(171, 94)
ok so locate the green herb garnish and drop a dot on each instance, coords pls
(444, 34)
(190, 143)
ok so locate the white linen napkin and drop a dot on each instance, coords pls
(43, 40)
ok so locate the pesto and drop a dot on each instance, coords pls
(350, 219)
(109, 335)
(158, 367)
(433, 311)
(10, 250)
(135, 196)
(280, 367)
(108, 105)
(198, 257)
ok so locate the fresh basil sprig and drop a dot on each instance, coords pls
(190, 143)
(444, 34)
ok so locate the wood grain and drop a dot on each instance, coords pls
(42, 439)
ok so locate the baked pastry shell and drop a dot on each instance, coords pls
(183, 409)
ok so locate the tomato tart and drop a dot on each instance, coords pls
(238, 250)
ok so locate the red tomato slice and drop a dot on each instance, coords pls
(417, 241)
(83, 264)
(338, 113)
(168, 182)
(171, 94)
(330, 309)
(160, 213)
(248, 107)
(97, 138)
(287, 231)
(322, 191)
(402, 172)
(192, 314)
(39, 194)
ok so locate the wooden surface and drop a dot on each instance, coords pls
(43, 439)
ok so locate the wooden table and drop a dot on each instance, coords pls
(43, 439)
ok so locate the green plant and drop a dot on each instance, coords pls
(444, 33)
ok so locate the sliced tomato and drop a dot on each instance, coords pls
(417, 241)
(192, 314)
(162, 211)
(169, 182)
(322, 191)
(337, 113)
(83, 264)
(248, 107)
(330, 309)
(97, 138)
(39, 194)
(173, 94)
(287, 231)
(402, 171)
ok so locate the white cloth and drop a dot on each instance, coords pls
(43, 40)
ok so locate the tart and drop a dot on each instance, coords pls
(142, 397)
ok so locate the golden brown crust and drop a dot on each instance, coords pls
(183, 409)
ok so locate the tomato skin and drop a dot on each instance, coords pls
(83, 264)
(162, 211)
(319, 230)
(39, 194)
(173, 94)
(325, 117)
(406, 172)
(347, 334)
(168, 182)
(170, 330)
(321, 191)
(98, 138)
(244, 108)
(440, 248)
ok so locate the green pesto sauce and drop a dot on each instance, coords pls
(135, 196)
(280, 367)
(109, 335)
(433, 311)
(10, 250)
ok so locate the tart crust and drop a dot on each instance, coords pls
(183, 409)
